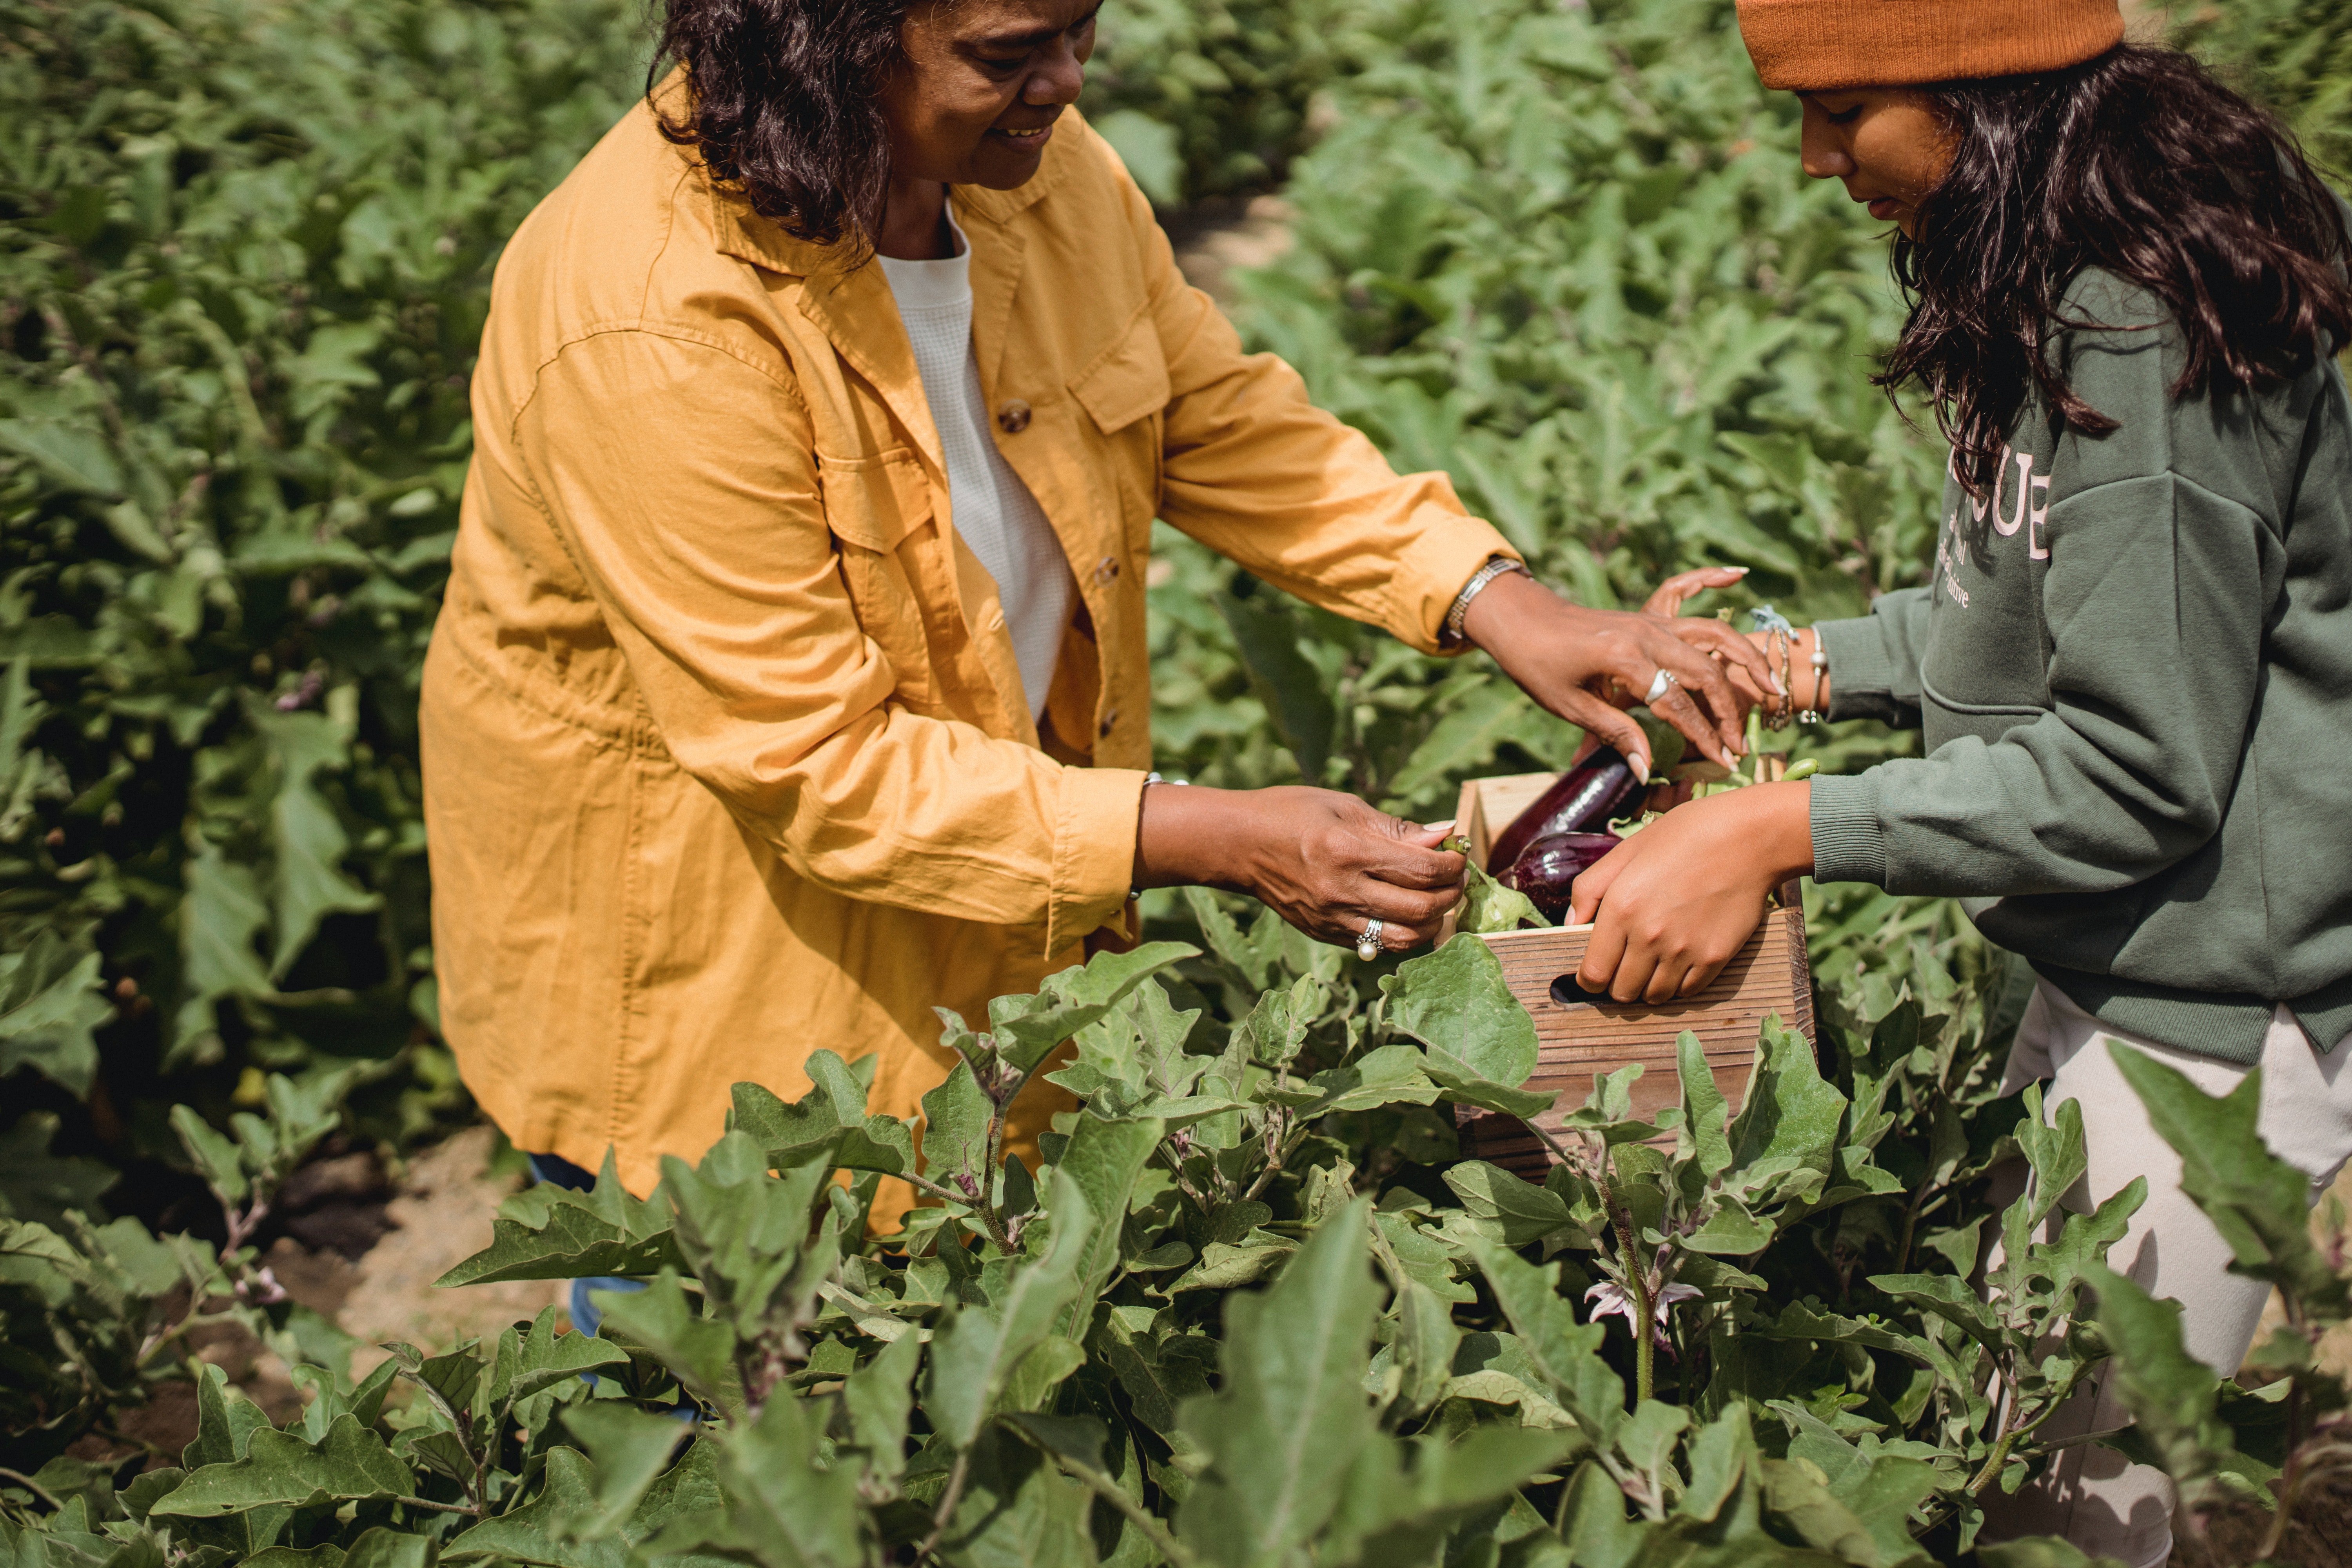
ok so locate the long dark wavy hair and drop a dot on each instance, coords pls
(2140, 162)
(782, 105)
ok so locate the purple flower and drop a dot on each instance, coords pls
(1613, 1297)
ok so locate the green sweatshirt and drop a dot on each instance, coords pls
(2134, 671)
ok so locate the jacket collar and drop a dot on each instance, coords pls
(850, 304)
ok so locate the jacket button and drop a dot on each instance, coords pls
(1108, 720)
(1107, 568)
(1014, 417)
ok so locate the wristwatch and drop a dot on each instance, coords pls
(1450, 635)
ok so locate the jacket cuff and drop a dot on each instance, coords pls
(1094, 852)
(1436, 566)
(1849, 845)
(1861, 669)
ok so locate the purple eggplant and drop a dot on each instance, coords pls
(1581, 801)
(1546, 870)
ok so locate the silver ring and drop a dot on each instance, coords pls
(1368, 946)
(1664, 682)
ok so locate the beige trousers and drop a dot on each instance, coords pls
(2091, 1496)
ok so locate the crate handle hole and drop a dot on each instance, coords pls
(1568, 994)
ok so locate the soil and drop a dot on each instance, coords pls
(363, 1250)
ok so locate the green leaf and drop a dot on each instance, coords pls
(36, 1186)
(1100, 1165)
(878, 1397)
(1027, 1027)
(2170, 1393)
(381, 1548)
(631, 1448)
(1151, 150)
(350, 1464)
(1019, 1510)
(1488, 906)
(2057, 1155)
(1567, 1352)
(542, 1530)
(308, 839)
(2041, 1552)
(1295, 695)
(1792, 1116)
(956, 1119)
(538, 1361)
(1514, 1211)
(226, 1422)
(548, 1231)
(2258, 1203)
(698, 1351)
(220, 915)
(1401, 1497)
(1277, 1027)
(1283, 1432)
(828, 1124)
(1390, 1075)
(975, 1355)
(1702, 1139)
(1455, 1001)
(50, 1004)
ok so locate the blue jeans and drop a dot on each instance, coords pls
(563, 1172)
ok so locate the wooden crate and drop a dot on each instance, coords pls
(1578, 1036)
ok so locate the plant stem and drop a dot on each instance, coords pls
(438, 1506)
(1995, 1462)
(946, 1510)
(1637, 1281)
(985, 1210)
(1112, 1492)
(36, 1488)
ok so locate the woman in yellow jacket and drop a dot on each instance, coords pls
(793, 679)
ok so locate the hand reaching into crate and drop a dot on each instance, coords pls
(1588, 665)
(1671, 905)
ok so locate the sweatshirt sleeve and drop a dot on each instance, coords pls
(1873, 666)
(2152, 606)
(1254, 470)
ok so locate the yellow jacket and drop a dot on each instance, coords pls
(726, 755)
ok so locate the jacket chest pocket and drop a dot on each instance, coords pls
(1125, 390)
(874, 505)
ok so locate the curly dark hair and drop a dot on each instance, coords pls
(783, 105)
(2140, 162)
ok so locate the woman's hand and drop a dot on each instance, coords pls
(1673, 903)
(1809, 686)
(1567, 657)
(1326, 862)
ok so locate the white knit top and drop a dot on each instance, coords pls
(991, 507)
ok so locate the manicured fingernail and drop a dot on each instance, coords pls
(1736, 570)
(1641, 766)
(1443, 827)
(1778, 688)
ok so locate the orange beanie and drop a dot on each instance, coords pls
(1819, 46)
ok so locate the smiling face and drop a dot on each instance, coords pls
(974, 99)
(1887, 143)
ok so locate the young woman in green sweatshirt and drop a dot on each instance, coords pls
(2133, 660)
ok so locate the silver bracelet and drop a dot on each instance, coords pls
(1451, 636)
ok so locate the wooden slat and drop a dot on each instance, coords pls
(1770, 977)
